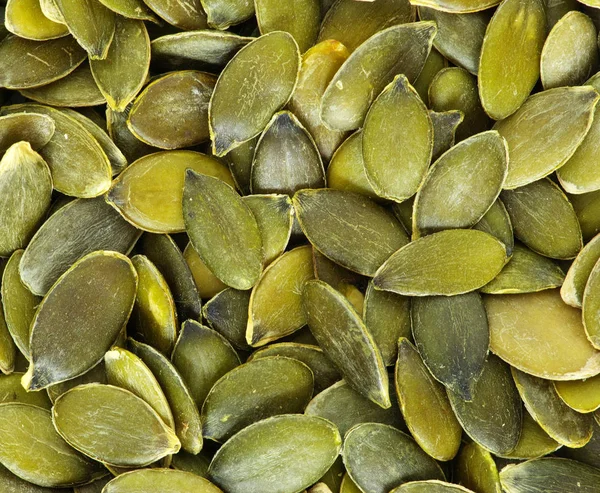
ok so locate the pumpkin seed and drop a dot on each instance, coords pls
(591, 322)
(95, 375)
(475, 469)
(434, 63)
(493, 418)
(432, 486)
(588, 454)
(457, 6)
(197, 464)
(26, 19)
(34, 451)
(165, 480)
(227, 313)
(397, 49)
(349, 486)
(549, 146)
(305, 445)
(131, 9)
(127, 433)
(50, 10)
(14, 484)
(534, 441)
(522, 324)
(445, 124)
(161, 175)
(183, 14)
(185, 412)
(276, 302)
(121, 75)
(223, 230)
(509, 68)
(95, 487)
(223, 13)
(91, 303)
(117, 129)
(272, 86)
(37, 129)
(379, 457)
(8, 350)
(496, 222)
(207, 283)
(346, 341)
(239, 161)
(586, 207)
(11, 390)
(202, 356)
(581, 395)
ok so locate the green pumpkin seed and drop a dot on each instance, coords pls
(223, 13)
(496, 222)
(445, 124)
(379, 457)
(183, 14)
(526, 272)
(26, 19)
(26, 189)
(37, 129)
(425, 406)
(207, 283)
(475, 469)
(262, 388)
(397, 49)
(588, 454)
(59, 243)
(459, 37)
(457, 6)
(493, 418)
(587, 208)
(172, 112)
(590, 306)
(562, 423)
(14, 484)
(160, 176)
(509, 68)
(346, 341)
(306, 447)
(96, 375)
(50, 10)
(570, 53)
(351, 22)
(185, 412)
(331, 218)
(349, 486)
(432, 486)
(450, 262)
(34, 451)
(197, 464)
(95, 487)
(125, 370)
(165, 254)
(276, 302)
(11, 390)
(239, 161)
(117, 129)
(26, 63)
(434, 63)
(131, 9)
(346, 408)
(581, 395)
(8, 350)
(549, 145)
(522, 324)
(319, 65)
(533, 476)
(164, 480)
(443, 202)
(332, 273)
(396, 160)
(18, 302)
(227, 313)
(90, 303)
(324, 372)
(128, 433)
(534, 441)
(121, 75)
(202, 356)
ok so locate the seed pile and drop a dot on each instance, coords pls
(285, 246)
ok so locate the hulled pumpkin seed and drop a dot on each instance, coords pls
(581, 395)
(14, 484)
(8, 350)
(26, 19)
(11, 390)
(496, 222)
(197, 464)
(433, 486)
(95, 375)
(50, 10)
(475, 469)
(534, 441)
(590, 307)
(457, 6)
(183, 14)
(207, 283)
(223, 13)
(227, 313)
(586, 207)
(588, 454)
(445, 124)
(434, 63)
(37, 129)
(239, 161)
(165, 480)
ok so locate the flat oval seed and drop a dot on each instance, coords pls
(8, 350)
(26, 19)
(202, 356)
(34, 451)
(131, 9)
(509, 68)
(163, 480)
(541, 335)
(25, 191)
(25, 63)
(462, 185)
(185, 412)
(269, 65)
(306, 447)
(11, 390)
(532, 476)
(224, 13)
(396, 159)
(526, 272)
(227, 313)
(432, 486)
(37, 129)
(96, 375)
(351, 22)
(445, 124)
(397, 49)
(331, 218)
(90, 23)
(127, 371)
(457, 6)
(223, 230)
(587, 208)
(182, 14)
(588, 454)
(425, 405)
(496, 222)
(254, 391)
(276, 302)
(379, 457)
(121, 75)
(475, 468)
(534, 441)
(591, 306)
(154, 315)
(434, 63)
(197, 464)
(562, 423)
(494, 415)
(544, 219)
(149, 192)
(172, 111)
(132, 147)
(207, 283)
(14, 484)
(127, 433)
(537, 143)
(90, 303)
(345, 339)
(50, 10)
(570, 52)
(445, 263)
(581, 395)
(239, 161)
